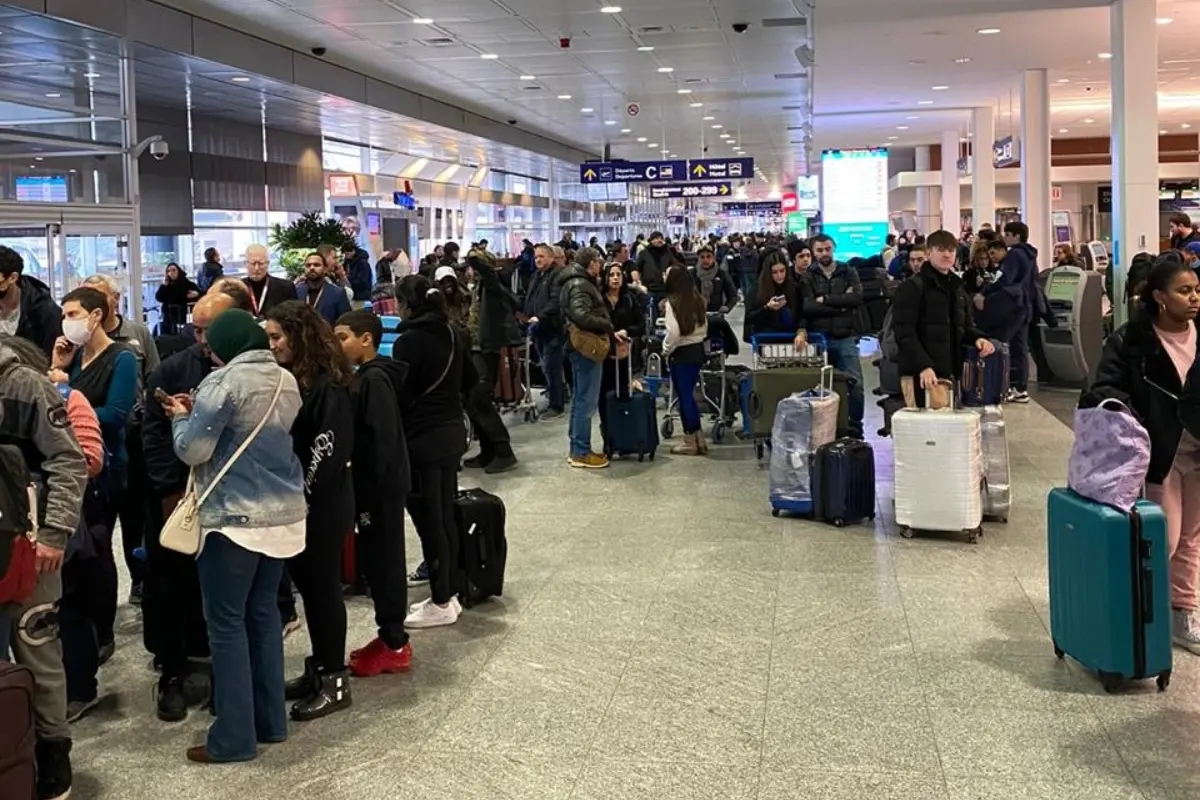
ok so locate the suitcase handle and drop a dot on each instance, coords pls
(755, 405)
(1147, 595)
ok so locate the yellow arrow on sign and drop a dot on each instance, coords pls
(699, 170)
(590, 174)
(724, 189)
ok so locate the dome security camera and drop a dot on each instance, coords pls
(159, 150)
(319, 51)
(741, 27)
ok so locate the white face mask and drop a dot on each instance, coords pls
(76, 331)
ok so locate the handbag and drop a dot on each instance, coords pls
(1110, 456)
(181, 531)
(592, 346)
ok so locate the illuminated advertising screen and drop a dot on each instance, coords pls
(854, 204)
(808, 189)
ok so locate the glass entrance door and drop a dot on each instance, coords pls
(62, 258)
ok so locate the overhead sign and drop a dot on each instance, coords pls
(343, 186)
(713, 168)
(854, 205)
(1006, 152)
(715, 189)
(789, 203)
(808, 190)
(633, 109)
(633, 171)
(760, 208)
(797, 223)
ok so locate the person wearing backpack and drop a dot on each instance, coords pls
(36, 439)
(931, 320)
(1149, 365)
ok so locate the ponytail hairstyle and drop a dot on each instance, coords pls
(421, 297)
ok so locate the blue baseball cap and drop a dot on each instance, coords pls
(1193, 248)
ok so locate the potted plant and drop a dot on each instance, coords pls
(291, 243)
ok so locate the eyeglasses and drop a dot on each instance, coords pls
(258, 263)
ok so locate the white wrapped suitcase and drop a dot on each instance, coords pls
(997, 483)
(938, 471)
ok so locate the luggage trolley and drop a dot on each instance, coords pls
(772, 351)
(522, 372)
(714, 364)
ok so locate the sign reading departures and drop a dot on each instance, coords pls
(697, 169)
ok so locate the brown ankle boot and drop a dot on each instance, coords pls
(701, 443)
(687, 447)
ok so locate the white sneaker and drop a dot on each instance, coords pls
(1185, 629)
(415, 607)
(431, 615)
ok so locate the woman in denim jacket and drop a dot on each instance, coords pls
(253, 520)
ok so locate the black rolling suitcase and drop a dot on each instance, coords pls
(843, 482)
(482, 548)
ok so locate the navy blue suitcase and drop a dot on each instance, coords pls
(632, 421)
(985, 380)
(843, 482)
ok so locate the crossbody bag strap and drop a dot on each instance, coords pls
(242, 449)
(449, 363)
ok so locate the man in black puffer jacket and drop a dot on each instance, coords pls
(586, 316)
(652, 264)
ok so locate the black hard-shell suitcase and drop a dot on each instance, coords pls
(18, 767)
(843, 482)
(483, 548)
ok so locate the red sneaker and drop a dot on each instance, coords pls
(377, 658)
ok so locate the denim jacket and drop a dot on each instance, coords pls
(265, 487)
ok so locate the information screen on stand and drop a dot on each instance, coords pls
(854, 201)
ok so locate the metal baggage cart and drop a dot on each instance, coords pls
(774, 351)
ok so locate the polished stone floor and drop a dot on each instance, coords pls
(663, 636)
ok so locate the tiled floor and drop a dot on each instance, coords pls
(663, 636)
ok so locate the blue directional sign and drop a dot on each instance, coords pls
(700, 169)
(713, 189)
(633, 171)
(753, 208)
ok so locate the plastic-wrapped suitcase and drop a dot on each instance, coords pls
(997, 482)
(632, 427)
(843, 482)
(985, 380)
(482, 545)
(803, 422)
(1110, 605)
(938, 471)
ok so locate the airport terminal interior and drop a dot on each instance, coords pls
(661, 632)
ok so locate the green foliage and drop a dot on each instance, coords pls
(293, 242)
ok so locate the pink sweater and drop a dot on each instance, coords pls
(87, 431)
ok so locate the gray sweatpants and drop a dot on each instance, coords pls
(35, 645)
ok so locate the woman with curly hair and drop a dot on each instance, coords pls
(323, 438)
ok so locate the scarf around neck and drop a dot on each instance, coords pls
(707, 277)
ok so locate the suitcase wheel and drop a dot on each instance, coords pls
(775, 512)
(759, 450)
(1164, 680)
(718, 432)
(531, 415)
(641, 457)
(839, 523)
(1058, 651)
(1111, 681)
(668, 428)
(973, 535)
(906, 531)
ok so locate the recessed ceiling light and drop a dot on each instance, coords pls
(240, 79)
(683, 91)
(988, 31)
(611, 10)
(529, 77)
(646, 48)
(1088, 121)
(725, 135)
(717, 127)
(666, 69)
(1006, 113)
(1063, 80)
(38, 158)
(626, 130)
(488, 56)
(422, 21)
(708, 118)
(53, 94)
(962, 60)
(1186, 125)
(924, 102)
(610, 122)
(586, 110)
(696, 105)
(1164, 20)
(71, 171)
(939, 88)
(564, 97)
(1163, 132)
(641, 138)
(912, 116)
(1062, 130)
(1104, 56)
(654, 144)
(33, 166)
(901, 127)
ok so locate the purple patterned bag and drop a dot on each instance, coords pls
(1110, 456)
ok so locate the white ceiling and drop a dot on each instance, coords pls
(905, 55)
(733, 75)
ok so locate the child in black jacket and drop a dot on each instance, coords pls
(381, 483)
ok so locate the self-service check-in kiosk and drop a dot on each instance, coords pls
(1072, 350)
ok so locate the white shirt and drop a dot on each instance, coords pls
(676, 338)
(10, 322)
(275, 541)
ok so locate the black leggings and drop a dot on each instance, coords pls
(317, 574)
(431, 506)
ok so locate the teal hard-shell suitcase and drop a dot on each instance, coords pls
(1110, 605)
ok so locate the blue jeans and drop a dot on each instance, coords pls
(552, 350)
(246, 637)
(683, 381)
(586, 378)
(843, 355)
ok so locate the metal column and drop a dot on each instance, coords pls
(133, 253)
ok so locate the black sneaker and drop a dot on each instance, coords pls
(477, 462)
(53, 768)
(170, 699)
(501, 464)
(78, 709)
(420, 575)
(106, 652)
(135, 595)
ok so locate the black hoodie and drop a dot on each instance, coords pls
(323, 440)
(41, 318)
(439, 374)
(380, 461)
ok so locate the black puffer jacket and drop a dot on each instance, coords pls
(836, 315)
(1136, 369)
(581, 302)
(498, 307)
(542, 302)
(932, 321)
